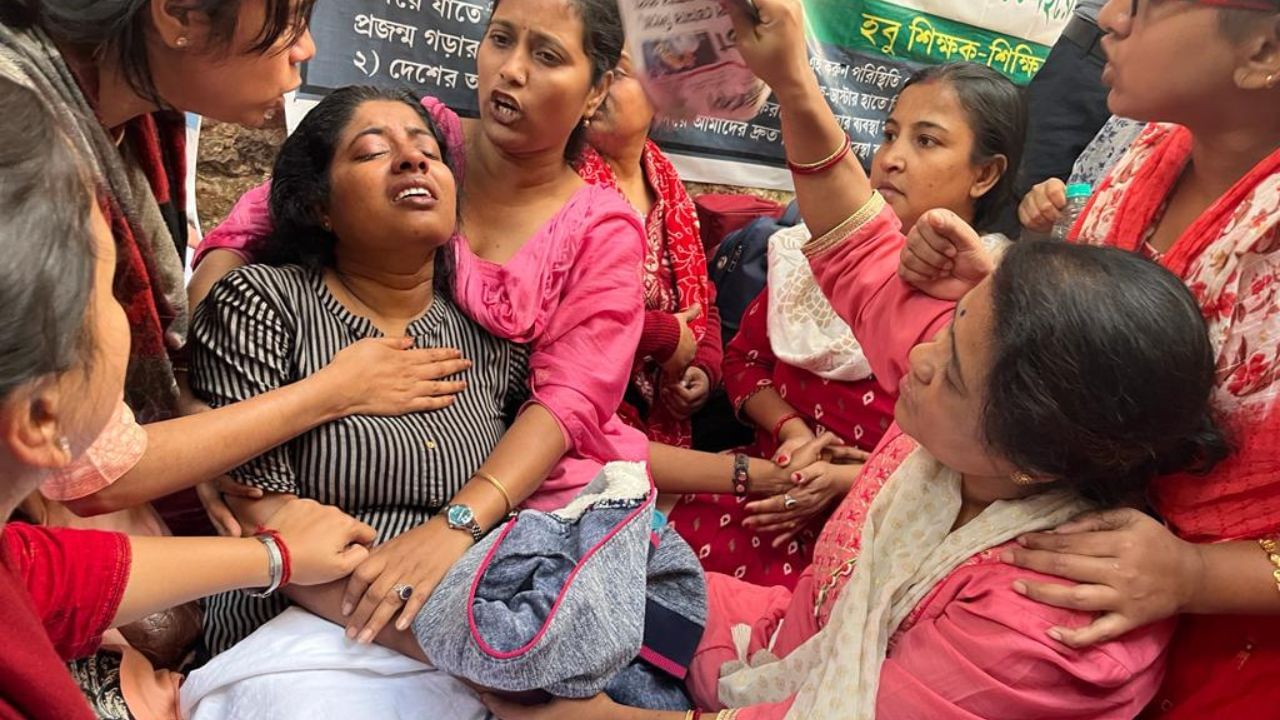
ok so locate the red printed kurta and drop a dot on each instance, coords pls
(1220, 667)
(857, 412)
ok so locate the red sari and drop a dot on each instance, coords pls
(675, 278)
(858, 412)
(1230, 259)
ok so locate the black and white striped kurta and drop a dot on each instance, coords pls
(264, 327)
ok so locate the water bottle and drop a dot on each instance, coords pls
(1077, 198)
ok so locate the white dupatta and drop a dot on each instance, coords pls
(907, 548)
(804, 330)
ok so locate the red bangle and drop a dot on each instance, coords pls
(777, 427)
(286, 570)
(822, 165)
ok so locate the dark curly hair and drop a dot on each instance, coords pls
(300, 183)
(997, 112)
(1102, 371)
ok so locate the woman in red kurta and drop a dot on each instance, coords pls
(677, 364)
(795, 370)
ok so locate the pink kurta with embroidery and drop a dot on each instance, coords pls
(573, 292)
(973, 648)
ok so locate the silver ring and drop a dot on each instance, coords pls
(402, 591)
(789, 502)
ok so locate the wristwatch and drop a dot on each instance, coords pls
(460, 517)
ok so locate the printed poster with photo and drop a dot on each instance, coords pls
(861, 50)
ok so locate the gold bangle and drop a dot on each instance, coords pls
(1272, 550)
(863, 215)
(810, 167)
(689, 715)
(496, 484)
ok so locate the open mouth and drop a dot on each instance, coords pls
(414, 192)
(504, 108)
(415, 195)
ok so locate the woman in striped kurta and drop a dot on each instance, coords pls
(265, 326)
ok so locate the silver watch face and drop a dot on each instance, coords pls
(460, 516)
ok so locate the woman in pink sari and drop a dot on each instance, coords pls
(1198, 192)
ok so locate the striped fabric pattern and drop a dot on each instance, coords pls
(264, 327)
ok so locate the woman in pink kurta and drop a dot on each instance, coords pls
(794, 371)
(1033, 397)
(572, 291)
(972, 647)
(1198, 191)
(542, 258)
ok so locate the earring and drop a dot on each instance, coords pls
(182, 41)
(326, 225)
(586, 123)
(1022, 479)
(1271, 81)
(64, 445)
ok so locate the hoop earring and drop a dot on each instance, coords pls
(1022, 479)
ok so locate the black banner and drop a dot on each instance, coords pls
(430, 46)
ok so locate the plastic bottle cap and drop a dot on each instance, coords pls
(1079, 190)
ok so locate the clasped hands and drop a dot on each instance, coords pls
(812, 473)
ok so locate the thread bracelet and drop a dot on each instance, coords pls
(777, 427)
